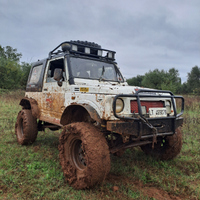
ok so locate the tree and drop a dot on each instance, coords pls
(184, 89)
(136, 81)
(13, 75)
(163, 80)
(172, 81)
(154, 79)
(25, 69)
(9, 53)
(193, 80)
(10, 74)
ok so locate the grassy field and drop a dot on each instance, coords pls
(34, 172)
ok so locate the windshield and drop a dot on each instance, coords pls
(91, 69)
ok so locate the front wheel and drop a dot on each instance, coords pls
(167, 148)
(84, 155)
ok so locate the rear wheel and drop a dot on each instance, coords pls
(84, 155)
(26, 127)
(167, 148)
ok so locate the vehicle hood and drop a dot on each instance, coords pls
(107, 89)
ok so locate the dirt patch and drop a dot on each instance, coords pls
(36, 148)
(3, 188)
(146, 189)
(158, 194)
(94, 155)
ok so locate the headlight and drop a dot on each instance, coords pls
(168, 107)
(119, 105)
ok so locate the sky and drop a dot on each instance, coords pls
(146, 34)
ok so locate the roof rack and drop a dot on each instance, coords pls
(86, 48)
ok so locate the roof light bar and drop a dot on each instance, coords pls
(110, 55)
(99, 52)
(87, 50)
(83, 48)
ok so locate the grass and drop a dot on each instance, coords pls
(34, 172)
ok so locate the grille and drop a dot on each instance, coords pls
(147, 104)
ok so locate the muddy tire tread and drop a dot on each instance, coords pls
(171, 150)
(29, 128)
(97, 155)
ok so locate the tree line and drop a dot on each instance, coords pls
(169, 80)
(14, 75)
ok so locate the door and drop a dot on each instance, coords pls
(54, 95)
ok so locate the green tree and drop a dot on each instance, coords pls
(184, 89)
(172, 81)
(10, 74)
(154, 79)
(9, 53)
(25, 69)
(163, 80)
(136, 81)
(193, 80)
(13, 75)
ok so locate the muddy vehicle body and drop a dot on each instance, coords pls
(80, 89)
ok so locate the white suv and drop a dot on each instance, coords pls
(80, 89)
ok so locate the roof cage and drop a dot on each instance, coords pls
(86, 48)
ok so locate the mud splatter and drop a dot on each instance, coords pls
(96, 152)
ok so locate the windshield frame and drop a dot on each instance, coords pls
(104, 63)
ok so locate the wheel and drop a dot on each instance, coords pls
(84, 155)
(167, 148)
(26, 127)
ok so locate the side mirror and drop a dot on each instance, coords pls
(58, 76)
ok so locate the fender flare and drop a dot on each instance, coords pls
(30, 104)
(93, 114)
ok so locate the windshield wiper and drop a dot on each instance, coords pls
(102, 73)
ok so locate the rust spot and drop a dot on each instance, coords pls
(53, 104)
(49, 102)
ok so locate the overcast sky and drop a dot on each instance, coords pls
(146, 34)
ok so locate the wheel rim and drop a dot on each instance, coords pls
(77, 154)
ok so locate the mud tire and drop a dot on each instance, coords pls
(26, 127)
(167, 150)
(84, 155)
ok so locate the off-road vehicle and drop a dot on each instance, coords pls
(80, 89)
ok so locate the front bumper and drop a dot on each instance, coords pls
(140, 127)
(136, 128)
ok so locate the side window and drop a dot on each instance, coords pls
(52, 66)
(35, 76)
